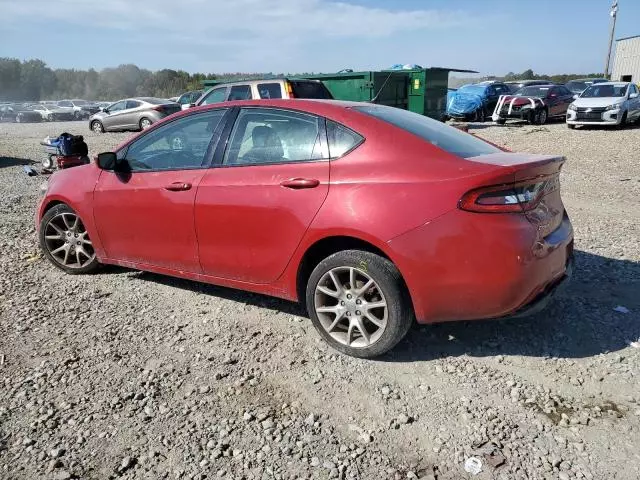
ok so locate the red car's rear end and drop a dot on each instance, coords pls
(501, 252)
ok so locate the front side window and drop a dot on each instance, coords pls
(269, 90)
(437, 133)
(116, 107)
(216, 95)
(264, 135)
(240, 92)
(181, 144)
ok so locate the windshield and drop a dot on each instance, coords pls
(533, 92)
(478, 89)
(602, 91)
(437, 133)
(577, 87)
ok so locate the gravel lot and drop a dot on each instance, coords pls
(133, 375)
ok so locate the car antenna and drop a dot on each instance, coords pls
(375, 98)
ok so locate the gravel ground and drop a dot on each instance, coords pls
(133, 375)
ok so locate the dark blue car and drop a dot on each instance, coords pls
(475, 102)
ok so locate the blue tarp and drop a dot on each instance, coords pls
(466, 100)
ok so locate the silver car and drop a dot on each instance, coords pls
(132, 114)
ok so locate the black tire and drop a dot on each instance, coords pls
(501, 121)
(571, 127)
(400, 315)
(623, 121)
(541, 116)
(97, 127)
(480, 115)
(46, 218)
(143, 120)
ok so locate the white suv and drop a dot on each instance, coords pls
(265, 89)
(610, 103)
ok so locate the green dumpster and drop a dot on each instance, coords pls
(423, 91)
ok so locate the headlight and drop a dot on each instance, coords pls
(615, 106)
(573, 107)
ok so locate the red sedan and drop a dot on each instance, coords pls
(372, 216)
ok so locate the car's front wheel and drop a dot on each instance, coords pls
(358, 303)
(97, 127)
(623, 120)
(65, 241)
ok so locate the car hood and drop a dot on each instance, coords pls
(98, 116)
(597, 102)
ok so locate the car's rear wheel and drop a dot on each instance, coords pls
(358, 303)
(500, 121)
(571, 127)
(145, 123)
(65, 241)
(97, 127)
(480, 115)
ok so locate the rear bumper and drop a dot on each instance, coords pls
(467, 266)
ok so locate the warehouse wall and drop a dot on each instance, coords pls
(627, 60)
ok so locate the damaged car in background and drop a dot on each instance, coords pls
(534, 104)
(19, 114)
(54, 113)
(474, 102)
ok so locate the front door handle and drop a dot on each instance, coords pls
(298, 183)
(178, 187)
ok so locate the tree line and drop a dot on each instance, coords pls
(33, 80)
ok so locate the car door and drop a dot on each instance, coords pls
(553, 101)
(566, 97)
(129, 117)
(113, 118)
(144, 210)
(254, 207)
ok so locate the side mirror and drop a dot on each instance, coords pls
(575, 96)
(106, 161)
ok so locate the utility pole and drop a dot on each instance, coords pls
(614, 14)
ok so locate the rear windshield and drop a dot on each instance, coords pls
(154, 101)
(306, 89)
(437, 133)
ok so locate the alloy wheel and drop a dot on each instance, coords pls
(68, 242)
(145, 123)
(351, 307)
(97, 127)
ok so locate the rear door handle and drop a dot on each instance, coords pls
(298, 183)
(178, 187)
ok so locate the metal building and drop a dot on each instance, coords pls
(626, 63)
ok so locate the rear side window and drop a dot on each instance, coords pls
(437, 133)
(341, 139)
(132, 104)
(308, 89)
(269, 90)
(240, 92)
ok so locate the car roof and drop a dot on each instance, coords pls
(261, 80)
(616, 84)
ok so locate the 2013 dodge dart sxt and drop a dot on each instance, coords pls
(372, 216)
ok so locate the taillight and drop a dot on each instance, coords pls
(517, 198)
(289, 88)
(159, 108)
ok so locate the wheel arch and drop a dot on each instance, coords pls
(324, 247)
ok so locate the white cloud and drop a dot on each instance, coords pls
(246, 25)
